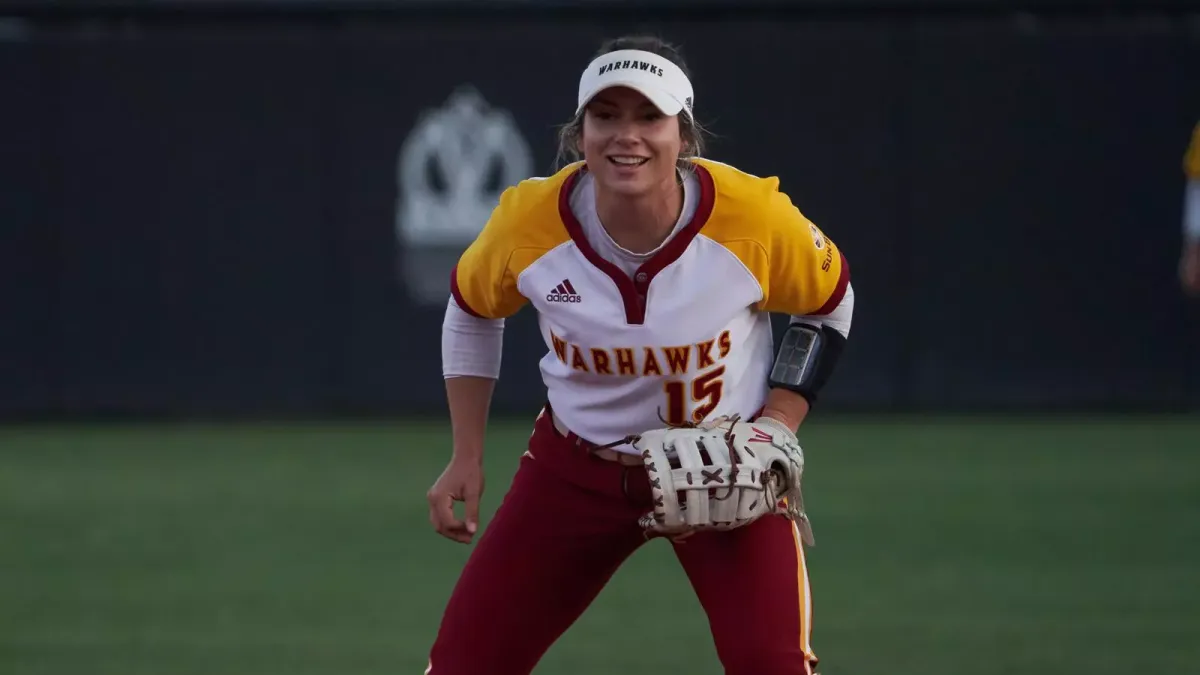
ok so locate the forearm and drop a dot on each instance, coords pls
(787, 407)
(471, 351)
(469, 398)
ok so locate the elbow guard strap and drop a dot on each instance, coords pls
(805, 360)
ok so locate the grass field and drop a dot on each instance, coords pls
(945, 547)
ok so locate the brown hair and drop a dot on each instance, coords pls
(689, 129)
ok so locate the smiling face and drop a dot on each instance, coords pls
(630, 146)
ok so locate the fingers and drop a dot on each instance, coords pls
(471, 511)
(441, 516)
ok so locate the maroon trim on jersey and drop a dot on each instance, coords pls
(633, 291)
(839, 291)
(458, 298)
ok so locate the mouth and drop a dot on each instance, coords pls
(628, 160)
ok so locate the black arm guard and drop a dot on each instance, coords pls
(805, 359)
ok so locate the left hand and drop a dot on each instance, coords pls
(722, 475)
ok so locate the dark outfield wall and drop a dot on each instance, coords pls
(257, 217)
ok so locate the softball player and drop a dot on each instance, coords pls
(653, 273)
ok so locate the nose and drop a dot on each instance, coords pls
(626, 132)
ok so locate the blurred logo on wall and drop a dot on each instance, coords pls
(452, 168)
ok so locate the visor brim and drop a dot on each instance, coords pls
(665, 102)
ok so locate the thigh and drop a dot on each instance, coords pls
(548, 551)
(753, 585)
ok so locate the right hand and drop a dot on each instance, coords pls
(1189, 270)
(461, 481)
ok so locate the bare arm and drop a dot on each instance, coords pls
(471, 350)
(469, 398)
(787, 407)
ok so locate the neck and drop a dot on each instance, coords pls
(640, 223)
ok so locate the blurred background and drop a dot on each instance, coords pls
(226, 230)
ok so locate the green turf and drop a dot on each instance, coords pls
(945, 547)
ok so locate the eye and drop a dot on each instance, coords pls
(653, 115)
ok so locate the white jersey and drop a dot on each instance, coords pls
(687, 336)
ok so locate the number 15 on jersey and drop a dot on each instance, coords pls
(703, 392)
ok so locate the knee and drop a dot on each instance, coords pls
(751, 661)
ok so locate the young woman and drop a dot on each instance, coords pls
(653, 273)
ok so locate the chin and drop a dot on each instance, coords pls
(643, 180)
(625, 186)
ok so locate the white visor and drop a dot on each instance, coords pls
(651, 75)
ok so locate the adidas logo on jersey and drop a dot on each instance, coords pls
(564, 292)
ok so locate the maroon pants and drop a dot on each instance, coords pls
(567, 523)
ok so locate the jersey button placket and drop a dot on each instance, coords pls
(639, 285)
